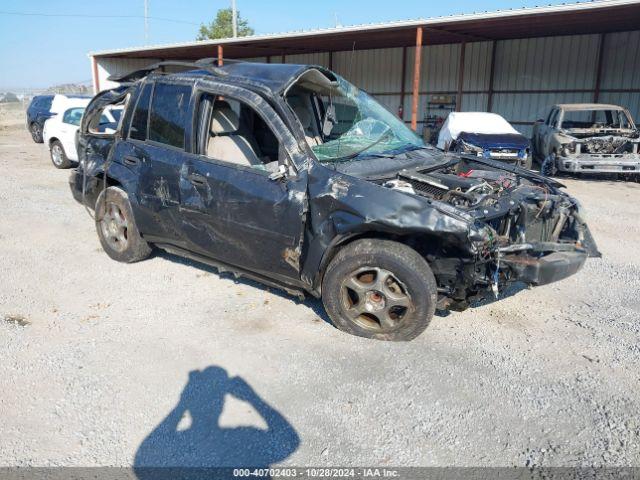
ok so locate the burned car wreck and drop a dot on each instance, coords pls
(587, 138)
(290, 175)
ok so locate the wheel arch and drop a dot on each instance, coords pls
(425, 240)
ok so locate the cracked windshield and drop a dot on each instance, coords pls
(355, 126)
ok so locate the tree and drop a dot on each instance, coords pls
(222, 26)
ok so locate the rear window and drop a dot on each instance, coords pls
(138, 128)
(42, 103)
(169, 109)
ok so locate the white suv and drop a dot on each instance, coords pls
(60, 130)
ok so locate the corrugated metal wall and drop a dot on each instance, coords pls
(529, 74)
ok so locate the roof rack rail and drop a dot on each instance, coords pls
(208, 64)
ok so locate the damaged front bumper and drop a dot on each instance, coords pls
(543, 270)
(604, 163)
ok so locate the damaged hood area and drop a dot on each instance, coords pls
(595, 141)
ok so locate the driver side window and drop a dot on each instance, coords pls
(235, 133)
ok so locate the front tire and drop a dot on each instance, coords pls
(36, 132)
(117, 229)
(379, 289)
(58, 155)
(548, 167)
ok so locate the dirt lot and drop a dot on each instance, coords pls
(95, 356)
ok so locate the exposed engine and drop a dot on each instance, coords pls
(467, 190)
(518, 210)
(606, 145)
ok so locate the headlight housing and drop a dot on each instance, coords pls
(472, 149)
(568, 149)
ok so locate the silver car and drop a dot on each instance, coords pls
(587, 137)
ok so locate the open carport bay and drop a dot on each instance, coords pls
(95, 356)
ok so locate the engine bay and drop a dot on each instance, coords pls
(518, 210)
(607, 145)
(467, 190)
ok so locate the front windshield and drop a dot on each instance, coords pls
(355, 126)
(588, 119)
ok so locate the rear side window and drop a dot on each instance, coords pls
(73, 116)
(138, 130)
(169, 109)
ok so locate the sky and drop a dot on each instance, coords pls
(51, 47)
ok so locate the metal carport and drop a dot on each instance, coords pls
(512, 62)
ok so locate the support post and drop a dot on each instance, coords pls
(460, 76)
(403, 81)
(416, 80)
(331, 60)
(599, 62)
(282, 60)
(491, 72)
(96, 78)
(220, 56)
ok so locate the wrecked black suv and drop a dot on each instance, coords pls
(290, 175)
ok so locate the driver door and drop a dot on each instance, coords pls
(249, 216)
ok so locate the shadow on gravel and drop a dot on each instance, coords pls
(312, 303)
(195, 451)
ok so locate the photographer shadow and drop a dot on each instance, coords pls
(170, 451)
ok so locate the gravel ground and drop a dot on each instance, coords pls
(167, 362)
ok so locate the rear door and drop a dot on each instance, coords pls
(155, 150)
(96, 147)
(248, 216)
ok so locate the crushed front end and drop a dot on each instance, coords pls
(523, 229)
(609, 153)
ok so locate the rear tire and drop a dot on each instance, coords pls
(58, 155)
(117, 228)
(36, 132)
(379, 289)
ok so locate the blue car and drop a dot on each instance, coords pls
(41, 109)
(486, 135)
(38, 112)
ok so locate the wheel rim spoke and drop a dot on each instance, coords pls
(355, 311)
(382, 276)
(120, 236)
(386, 322)
(356, 286)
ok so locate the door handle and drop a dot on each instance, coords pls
(197, 179)
(129, 160)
